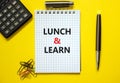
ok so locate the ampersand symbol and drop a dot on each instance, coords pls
(56, 41)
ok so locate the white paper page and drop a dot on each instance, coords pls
(52, 57)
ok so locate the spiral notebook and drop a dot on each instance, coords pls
(57, 41)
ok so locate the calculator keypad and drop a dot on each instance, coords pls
(12, 16)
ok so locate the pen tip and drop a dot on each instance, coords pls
(98, 66)
(99, 12)
(98, 59)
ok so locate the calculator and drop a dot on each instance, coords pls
(13, 14)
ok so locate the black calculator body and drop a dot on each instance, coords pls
(13, 14)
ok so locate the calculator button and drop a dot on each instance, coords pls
(7, 23)
(9, 6)
(17, 14)
(9, 14)
(12, 19)
(21, 19)
(25, 15)
(3, 4)
(0, 22)
(4, 19)
(14, 2)
(7, 31)
(6, 1)
(17, 6)
(11, 27)
(22, 10)
(3, 27)
(1, 14)
(13, 10)
(16, 23)
(5, 10)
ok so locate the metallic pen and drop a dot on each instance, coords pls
(58, 4)
(98, 39)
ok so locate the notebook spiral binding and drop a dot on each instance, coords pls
(56, 12)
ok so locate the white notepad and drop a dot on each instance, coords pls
(57, 41)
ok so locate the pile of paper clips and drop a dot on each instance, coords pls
(26, 69)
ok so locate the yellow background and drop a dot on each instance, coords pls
(20, 47)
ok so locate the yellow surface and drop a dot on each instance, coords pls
(20, 47)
